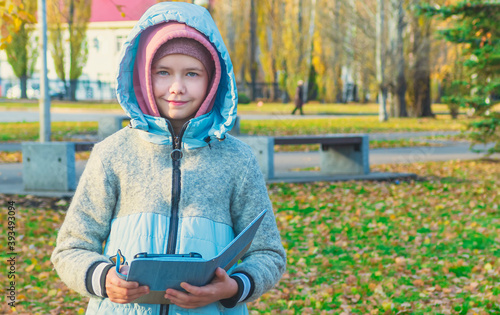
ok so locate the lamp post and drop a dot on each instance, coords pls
(44, 101)
(47, 166)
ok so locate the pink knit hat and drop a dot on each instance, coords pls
(151, 47)
(189, 47)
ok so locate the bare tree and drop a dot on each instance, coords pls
(74, 16)
(401, 78)
(396, 60)
(420, 69)
(312, 24)
(381, 49)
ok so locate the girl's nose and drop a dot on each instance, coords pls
(178, 87)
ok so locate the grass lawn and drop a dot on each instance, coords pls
(422, 247)
(33, 104)
(349, 125)
(252, 108)
(28, 131)
(68, 131)
(314, 107)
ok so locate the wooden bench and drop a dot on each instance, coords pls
(84, 146)
(110, 124)
(339, 153)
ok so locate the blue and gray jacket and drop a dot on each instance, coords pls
(136, 196)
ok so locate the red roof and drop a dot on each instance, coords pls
(119, 10)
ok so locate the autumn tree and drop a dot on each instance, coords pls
(330, 48)
(233, 20)
(12, 14)
(397, 65)
(364, 47)
(17, 36)
(70, 17)
(332, 43)
(447, 67)
(476, 29)
(269, 21)
(57, 40)
(381, 59)
(419, 77)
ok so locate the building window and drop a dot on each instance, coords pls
(120, 39)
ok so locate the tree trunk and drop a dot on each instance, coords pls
(349, 80)
(309, 51)
(24, 86)
(382, 95)
(337, 59)
(72, 89)
(440, 92)
(72, 82)
(253, 48)
(401, 79)
(422, 83)
(422, 93)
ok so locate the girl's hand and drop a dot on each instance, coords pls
(221, 287)
(121, 291)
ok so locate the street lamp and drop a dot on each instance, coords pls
(44, 101)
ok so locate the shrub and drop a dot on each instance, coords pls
(243, 99)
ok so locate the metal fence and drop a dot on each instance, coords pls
(95, 90)
(86, 90)
(264, 91)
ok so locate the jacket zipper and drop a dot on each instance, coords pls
(176, 156)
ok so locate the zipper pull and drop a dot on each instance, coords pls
(207, 140)
(176, 142)
(176, 155)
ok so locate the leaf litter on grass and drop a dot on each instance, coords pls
(421, 247)
(429, 246)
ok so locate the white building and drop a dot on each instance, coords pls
(110, 24)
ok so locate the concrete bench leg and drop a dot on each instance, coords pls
(109, 125)
(236, 128)
(263, 148)
(348, 159)
(49, 166)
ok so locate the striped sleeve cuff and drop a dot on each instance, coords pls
(96, 278)
(245, 289)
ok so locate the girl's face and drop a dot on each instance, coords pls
(180, 85)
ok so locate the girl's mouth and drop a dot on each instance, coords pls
(177, 103)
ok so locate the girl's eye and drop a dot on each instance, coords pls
(192, 74)
(162, 72)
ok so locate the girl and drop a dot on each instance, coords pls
(174, 181)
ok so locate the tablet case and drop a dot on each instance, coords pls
(161, 272)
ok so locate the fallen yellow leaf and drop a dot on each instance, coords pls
(30, 268)
(418, 282)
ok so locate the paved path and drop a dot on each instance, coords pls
(16, 146)
(11, 173)
(69, 114)
(32, 115)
